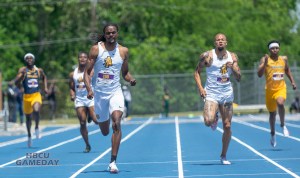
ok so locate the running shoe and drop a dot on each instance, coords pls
(29, 142)
(37, 133)
(87, 149)
(224, 161)
(215, 124)
(285, 131)
(112, 168)
(273, 140)
(89, 118)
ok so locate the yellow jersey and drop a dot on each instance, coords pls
(274, 74)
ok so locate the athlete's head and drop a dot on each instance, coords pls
(220, 41)
(29, 58)
(110, 32)
(274, 47)
(82, 58)
(102, 36)
(273, 43)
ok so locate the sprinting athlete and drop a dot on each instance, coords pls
(84, 106)
(274, 67)
(109, 60)
(218, 92)
(29, 76)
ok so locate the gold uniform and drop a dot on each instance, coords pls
(275, 84)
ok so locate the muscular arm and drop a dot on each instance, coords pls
(44, 78)
(262, 65)
(125, 71)
(20, 76)
(235, 67)
(72, 86)
(201, 64)
(289, 73)
(88, 71)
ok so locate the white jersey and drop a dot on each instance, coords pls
(218, 76)
(81, 99)
(107, 69)
(80, 89)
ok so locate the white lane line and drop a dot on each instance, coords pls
(23, 139)
(261, 155)
(109, 149)
(51, 147)
(179, 156)
(264, 129)
(292, 125)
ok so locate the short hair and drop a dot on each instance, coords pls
(273, 41)
(82, 52)
(110, 24)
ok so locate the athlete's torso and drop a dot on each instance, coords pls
(274, 74)
(80, 88)
(107, 69)
(31, 81)
(218, 75)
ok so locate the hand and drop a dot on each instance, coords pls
(229, 65)
(294, 86)
(95, 121)
(202, 93)
(90, 95)
(72, 98)
(46, 91)
(266, 59)
(132, 82)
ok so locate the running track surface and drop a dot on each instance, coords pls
(157, 147)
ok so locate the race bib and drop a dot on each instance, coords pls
(81, 87)
(278, 76)
(32, 83)
(105, 77)
(223, 79)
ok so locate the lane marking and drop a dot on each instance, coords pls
(179, 156)
(109, 149)
(292, 125)
(51, 147)
(263, 128)
(23, 139)
(258, 153)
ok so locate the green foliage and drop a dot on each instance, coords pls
(163, 37)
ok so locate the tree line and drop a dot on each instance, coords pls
(163, 37)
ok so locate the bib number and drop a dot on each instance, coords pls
(33, 83)
(278, 76)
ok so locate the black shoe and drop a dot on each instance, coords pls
(87, 149)
(89, 119)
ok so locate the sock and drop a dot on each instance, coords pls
(113, 158)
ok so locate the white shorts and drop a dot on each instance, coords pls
(80, 102)
(105, 104)
(220, 97)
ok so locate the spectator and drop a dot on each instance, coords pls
(295, 106)
(166, 99)
(12, 102)
(127, 99)
(52, 99)
(19, 92)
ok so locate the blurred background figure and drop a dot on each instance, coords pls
(165, 103)
(127, 100)
(52, 100)
(19, 97)
(295, 106)
(12, 102)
